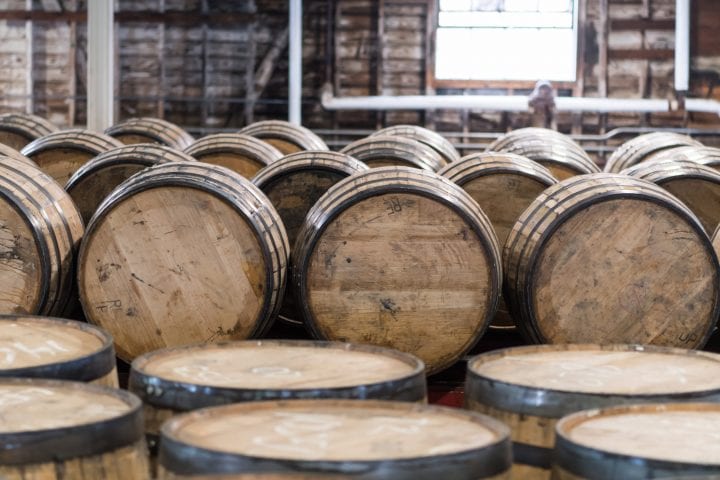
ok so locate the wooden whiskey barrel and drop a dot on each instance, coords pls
(520, 135)
(504, 185)
(671, 441)
(60, 154)
(53, 348)
(150, 130)
(432, 139)
(608, 258)
(6, 151)
(294, 184)
(59, 430)
(182, 252)
(531, 388)
(242, 153)
(170, 381)
(19, 129)
(392, 150)
(94, 181)
(644, 147)
(371, 439)
(696, 185)
(401, 258)
(285, 136)
(40, 230)
(708, 156)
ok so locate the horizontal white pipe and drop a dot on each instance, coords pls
(702, 105)
(598, 104)
(682, 45)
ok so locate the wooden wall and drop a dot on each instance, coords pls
(173, 54)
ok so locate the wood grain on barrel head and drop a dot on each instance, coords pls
(20, 263)
(171, 266)
(325, 431)
(33, 408)
(596, 370)
(244, 154)
(261, 366)
(285, 136)
(674, 433)
(631, 254)
(402, 271)
(25, 343)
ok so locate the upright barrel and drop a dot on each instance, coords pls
(608, 258)
(430, 138)
(66, 430)
(670, 441)
(40, 230)
(181, 379)
(244, 154)
(61, 154)
(531, 388)
(695, 185)
(53, 348)
(94, 181)
(182, 252)
(401, 258)
(285, 136)
(19, 129)
(150, 130)
(645, 147)
(365, 439)
(391, 150)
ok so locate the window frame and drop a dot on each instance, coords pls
(433, 82)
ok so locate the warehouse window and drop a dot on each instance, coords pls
(506, 40)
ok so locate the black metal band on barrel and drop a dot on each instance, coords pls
(594, 464)
(59, 444)
(180, 458)
(532, 455)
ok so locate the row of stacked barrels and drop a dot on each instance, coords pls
(396, 242)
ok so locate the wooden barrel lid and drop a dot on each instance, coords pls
(607, 258)
(242, 153)
(19, 129)
(398, 257)
(555, 380)
(708, 156)
(40, 229)
(392, 150)
(49, 420)
(61, 153)
(285, 136)
(294, 183)
(6, 151)
(641, 147)
(94, 181)
(562, 159)
(432, 139)
(181, 253)
(696, 185)
(41, 347)
(641, 441)
(379, 439)
(150, 130)
(274, 370)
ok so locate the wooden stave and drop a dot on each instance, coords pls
(708, 156)
(520, 134)
(56, 237)
(298, 135)
(560, 154)
(141, 154)
(79, 139)
(491, 462)
(6, 151)
(576, 461)
(637, 149)
(78, 441)
(517, 287)
(260, 152)
(183, 396)
(26, 125)
(344, 194)
(406, 151)
(88, 368)
(429, 137)
(244, 197)
(162, 131)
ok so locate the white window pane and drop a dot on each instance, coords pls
(487, 5)
(452, 52)
(455, 5)
(506, 19)
(556, 6)
(521, 5)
